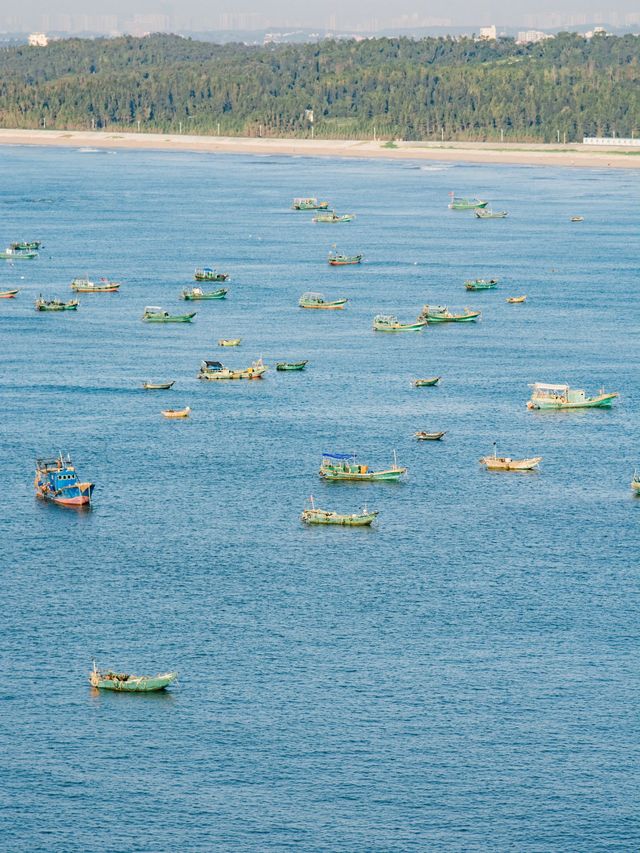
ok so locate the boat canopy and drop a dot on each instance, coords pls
(541, 386)
(153, 308)
(338, 455)
(318, 297)
(213, 365)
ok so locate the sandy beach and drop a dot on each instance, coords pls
(578, 155)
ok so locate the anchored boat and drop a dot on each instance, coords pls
(332, 216)
(337, 260)
(429, 436)
(208, 274)
(9, 294)
(389, 323)
(426, 383)
(215, 370)
(516, 300)
(577, 218)
(563, 397)
(487, 213)
(56, 304)
(26, 246)
(56, 481)
(158, 386)
(309, 204)
(174, 414)
(343, 466)
(291, 365)
(459, 203)
(635, 483)
(125, 683)
(84, 285)
(441, 314)
(313, 515)
(317, 300)
(481, 284)
(506, 463)
(197, 293)
(153, 314)
(229, 342)
(13, 254)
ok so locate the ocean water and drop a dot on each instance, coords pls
(462, 676)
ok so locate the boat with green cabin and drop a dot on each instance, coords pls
(546, 396)
(481, 284)
(208, 274)
(309, 203)
(153, 314)
(338, 260)
(26, 245)
(11, 254)
(291, 365)
(441, 314)
(317, 300)
(314, 515)
(194, 294)
(56, 304)
(343, 467)
(459, 203)
(389, 323)
(125, 683)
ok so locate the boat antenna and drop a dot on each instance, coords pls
(495, 454)
(395, 459)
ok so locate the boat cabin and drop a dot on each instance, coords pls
(212, 366)
(555, 393)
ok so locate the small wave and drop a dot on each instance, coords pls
(436, 168)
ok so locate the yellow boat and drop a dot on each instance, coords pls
(229, 342)
(516, 300)
(506, 463)
(177, 413)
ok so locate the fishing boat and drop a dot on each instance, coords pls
(197, 293)
(175, 414)
(125, 683)
(158, 386)
(26, 246)
(563, 397)
(313, 515)
(56, 304)
(9, 294)
(153, 314)
(291, 365)
(317, 300)
(441, 314)
(459, 203)
(516, 300)
(11, 254)
(337, 467)
(506, 463)
(428, 436)
(487, 213)
(635, 483)
(215, 370)
(56, 481)
(481, 284)
(426, 383)
(332, 216)
(83, 285)
(577, 218)
(309, 204)
(389, 323)
(337, 260)
(208, 274)
(229, 342)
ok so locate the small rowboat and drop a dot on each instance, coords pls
(426, 383)
(577, 218)
(505, 463)
(125, 683)
(429, 436)
(9, 294)
(157, 315)
(198, 294)
(485, 213)
(312, 515)
(229, 342)
(176, 413)
(516, 300)
(158, 386)
(481, 284)
(291, 365)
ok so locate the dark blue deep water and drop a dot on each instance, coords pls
(463, 676)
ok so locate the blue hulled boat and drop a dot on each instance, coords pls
(56, 480)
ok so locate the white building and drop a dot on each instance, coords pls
(488, 33)
(38, 40)
(532, 37)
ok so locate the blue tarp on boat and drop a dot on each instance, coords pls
(339, 455)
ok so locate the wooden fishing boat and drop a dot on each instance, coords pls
(229, 342)
(577, 218)
(197, 293)
(563, 397)
(309, 204)
(389, 323)
(291, 365)
(56, 304)
(153, 314)
(83, 285)
(429, 436)
(506, 463)
(516, 300)
(426, 383)
(337, 260)
(635, 483)
(56, 480)
(26, 246)
(158, 386)
(175, 414)
(11, 254)
(208, 274)
(9, 294)
(336, 467)
(332, 216)
(459, 203)
(481, 284)
(313, 515)
(441, 314)
(215, 371)
(125, 683)
(317, 300)
(487, 213)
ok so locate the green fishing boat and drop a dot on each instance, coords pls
(56, 304)
(459, 203)
(336, 467)
(332, 216)
(338, 260)
(291, 365)
(313, 515)
(389, 323)
(481, 284)
(635, 483)
(563, 397)
(125, 683)
(441, 314)
(486, 213)
(208, 274)
(29, 246)
(426, 383)
(195, 294)
(309, 204)
(153, 314)
(317, 300)
(11, 254)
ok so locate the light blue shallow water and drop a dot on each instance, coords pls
(464, 676)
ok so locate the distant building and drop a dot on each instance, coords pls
(532, 37)
(596, 31)
(488, 33)
(38, 40)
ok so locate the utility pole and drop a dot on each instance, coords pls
(218, 128)
(138, 125)
(501, 134)
(180, 124)
(558, 133)
(565, 137)
(93, 124)
(442, 133)
(375, 139)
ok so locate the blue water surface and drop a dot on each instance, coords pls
(464, 675)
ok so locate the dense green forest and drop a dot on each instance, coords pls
(429, 89)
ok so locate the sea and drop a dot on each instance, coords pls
(462, 676)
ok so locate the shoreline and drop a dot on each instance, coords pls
(524, 154)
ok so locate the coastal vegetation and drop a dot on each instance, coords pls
(431, 89)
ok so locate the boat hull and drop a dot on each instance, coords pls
(185, 318)
(454, 318)
(426, 383)
(319, 516)
(401, 327)
(142, 684)
(222, 375)
(493, 463)
(293, 366)
(79, 496)
(391, 475)
(218, 294)
(429, 436)
(9, 294)
(158, 386)
(603, 401)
